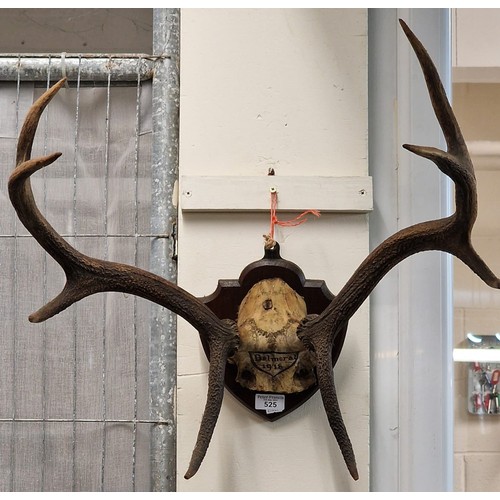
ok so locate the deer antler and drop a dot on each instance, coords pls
(86, 276)
(451, 234)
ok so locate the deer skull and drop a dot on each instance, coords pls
(270, 356)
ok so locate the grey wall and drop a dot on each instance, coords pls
(76, 30)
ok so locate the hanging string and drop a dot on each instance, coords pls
(63, 69)
(270, 242)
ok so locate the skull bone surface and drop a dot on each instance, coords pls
(271, 358)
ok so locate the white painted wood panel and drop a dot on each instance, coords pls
(287, 89)
(252, 194)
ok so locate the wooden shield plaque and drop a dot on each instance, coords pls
(225, 302)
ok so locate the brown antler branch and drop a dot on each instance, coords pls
(86, 276)
(451, 234)
(214, 398)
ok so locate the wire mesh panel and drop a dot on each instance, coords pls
(75, 391)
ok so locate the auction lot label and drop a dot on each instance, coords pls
(271, 403)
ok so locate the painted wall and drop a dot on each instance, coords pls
(476, 100)
(476, 306)
(285, 89)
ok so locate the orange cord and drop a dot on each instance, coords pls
(296, 221)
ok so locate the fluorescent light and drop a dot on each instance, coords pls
(474, 338)
(480, 355)
(481, 348)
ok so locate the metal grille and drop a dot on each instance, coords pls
(78, 409)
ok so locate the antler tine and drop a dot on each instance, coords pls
(455, 162)
(437, 94)
(214, 400)
(27, 134)
(86, 276)
(451, 234)
(324, 373)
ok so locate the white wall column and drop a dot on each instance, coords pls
(411, 309)
(287, 89)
